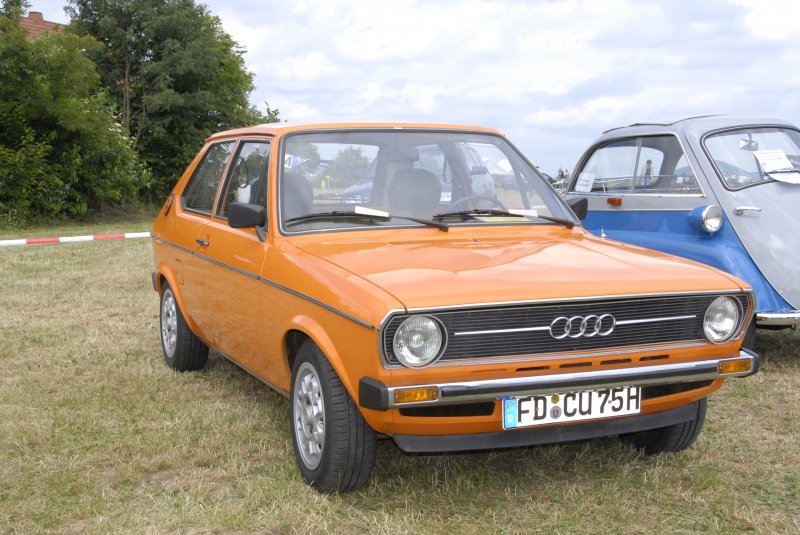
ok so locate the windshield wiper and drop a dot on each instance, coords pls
(368, 214)
(476, 213)
(473, 214)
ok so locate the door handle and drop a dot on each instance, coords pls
(740, 210)
(201, 242)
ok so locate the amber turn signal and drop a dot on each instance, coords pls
(614, 201)
(727, 367)
(415, 395)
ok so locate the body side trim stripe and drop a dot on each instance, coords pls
(269, 283)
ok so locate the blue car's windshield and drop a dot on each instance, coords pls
(750, 156)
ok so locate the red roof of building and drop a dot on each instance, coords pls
(35, 25)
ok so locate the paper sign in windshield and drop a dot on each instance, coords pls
(585, 183)
(523, 213)
(777, 166)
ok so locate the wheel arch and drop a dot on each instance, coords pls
(165, 275)
(303, 328)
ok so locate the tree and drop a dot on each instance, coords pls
(348, 166)
(61, 150)
(12, 8)
(177, 76)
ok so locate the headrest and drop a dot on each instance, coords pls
(414, 190)
(297, 194)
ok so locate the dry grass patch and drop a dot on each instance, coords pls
(97, 435)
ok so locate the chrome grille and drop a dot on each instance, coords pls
(523, 330)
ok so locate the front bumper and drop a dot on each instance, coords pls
(373, 394)
(546, 435)
(778, 319)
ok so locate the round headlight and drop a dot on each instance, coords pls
(721, 319)
(417, 342)
(711, 219)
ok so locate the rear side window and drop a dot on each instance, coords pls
(247, 181)
(202, 187)
(643, 165)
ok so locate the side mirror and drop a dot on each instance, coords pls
(748, 144)
(580, 207)
(478, 170)
(244, 215)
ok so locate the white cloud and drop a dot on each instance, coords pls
(771, 19)
(551, 74)
(309, 66)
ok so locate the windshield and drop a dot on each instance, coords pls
(402, 174)
(750, 156)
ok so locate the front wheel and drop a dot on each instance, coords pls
(334, 446)
(671, 439)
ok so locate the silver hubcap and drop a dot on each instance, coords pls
(169, 322)
(309, 415)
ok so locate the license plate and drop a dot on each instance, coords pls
(571, 406)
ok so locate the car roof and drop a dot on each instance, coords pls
(274, 129)
(697, 124)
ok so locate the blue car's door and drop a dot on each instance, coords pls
(762, 207)
(641, 190)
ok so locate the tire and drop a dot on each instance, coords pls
(183, 351)
(670, 439)
(333, 445)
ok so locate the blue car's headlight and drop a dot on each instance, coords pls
(706, 218)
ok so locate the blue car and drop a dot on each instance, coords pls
(722, 190)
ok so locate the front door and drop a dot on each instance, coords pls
(233, 292)
(187, 218)
(760, 196)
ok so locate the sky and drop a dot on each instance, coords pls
(550, 75)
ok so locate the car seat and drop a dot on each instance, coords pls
(413, 191)
(297, 195)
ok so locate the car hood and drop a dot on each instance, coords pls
(423, 271)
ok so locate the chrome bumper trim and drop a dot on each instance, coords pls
(787, 319)
(375, 395)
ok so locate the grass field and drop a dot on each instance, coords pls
(97, 435)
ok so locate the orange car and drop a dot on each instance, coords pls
(424, 282)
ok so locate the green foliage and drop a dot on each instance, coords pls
(13, 8)
(61, 150)
(177, 76)
(348, 166)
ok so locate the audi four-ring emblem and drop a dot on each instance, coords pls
(582, 326)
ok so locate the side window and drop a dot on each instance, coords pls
(643, 165)
(202, 187)
(247, 180)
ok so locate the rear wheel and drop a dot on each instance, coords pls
(334, 446)
(183, 351)
(671, 439)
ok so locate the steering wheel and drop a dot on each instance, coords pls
(477, 199)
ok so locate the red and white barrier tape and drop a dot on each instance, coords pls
(71, 239)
